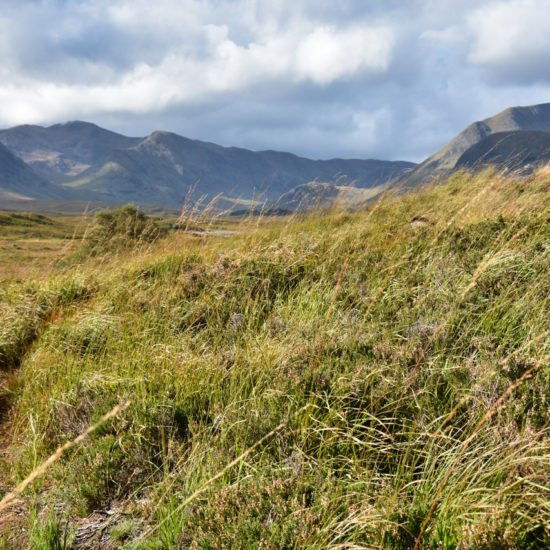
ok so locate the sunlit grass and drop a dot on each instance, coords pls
(369, 380)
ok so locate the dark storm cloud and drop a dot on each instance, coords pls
(321, 78)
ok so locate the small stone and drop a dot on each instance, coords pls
(236, 321)
(419, 221)
(355, 316)
(276, 325)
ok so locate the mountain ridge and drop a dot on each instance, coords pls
(62, 151)
(443, 161)
(519, 152)
(165, 167)
(80, 160)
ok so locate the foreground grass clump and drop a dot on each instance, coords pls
(369, 380)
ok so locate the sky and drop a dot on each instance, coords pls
(381, 79)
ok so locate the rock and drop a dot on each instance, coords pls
(236, 321)
(418, 221)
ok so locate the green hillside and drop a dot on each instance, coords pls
(370, 380)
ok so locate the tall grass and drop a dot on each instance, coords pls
(369, 380)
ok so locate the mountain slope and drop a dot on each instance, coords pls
(164, 168)
(18, 181)
(535, 117)
(520, 152)
(61, 152)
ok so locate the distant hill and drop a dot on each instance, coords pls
(520, 152)
(87, 162)
(165, 167)
(317, 195)
(535, 117)
(19, 181)
(61, 152)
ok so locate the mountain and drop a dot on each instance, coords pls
(165, 168)
(19, 181)
(90, 163)
(535, 117)
(61, 152)
(79, 160)
(520, 152)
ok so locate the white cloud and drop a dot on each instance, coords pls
(506, 32)
(361, 77)
(300, 52)
(449, 34)
(328, 54)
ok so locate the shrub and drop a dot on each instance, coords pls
(122, 228)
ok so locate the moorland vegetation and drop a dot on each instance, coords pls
(377, 379)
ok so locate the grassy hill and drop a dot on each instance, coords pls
(370, 380)
(318, 195)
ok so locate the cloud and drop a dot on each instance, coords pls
(199, 60)
(327, 54)
(321, 78)
(511, 39)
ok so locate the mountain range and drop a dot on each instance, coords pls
(79, 161)
(84, 161)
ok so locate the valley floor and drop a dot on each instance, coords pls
(370, 380)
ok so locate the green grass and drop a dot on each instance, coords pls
(327, 381)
